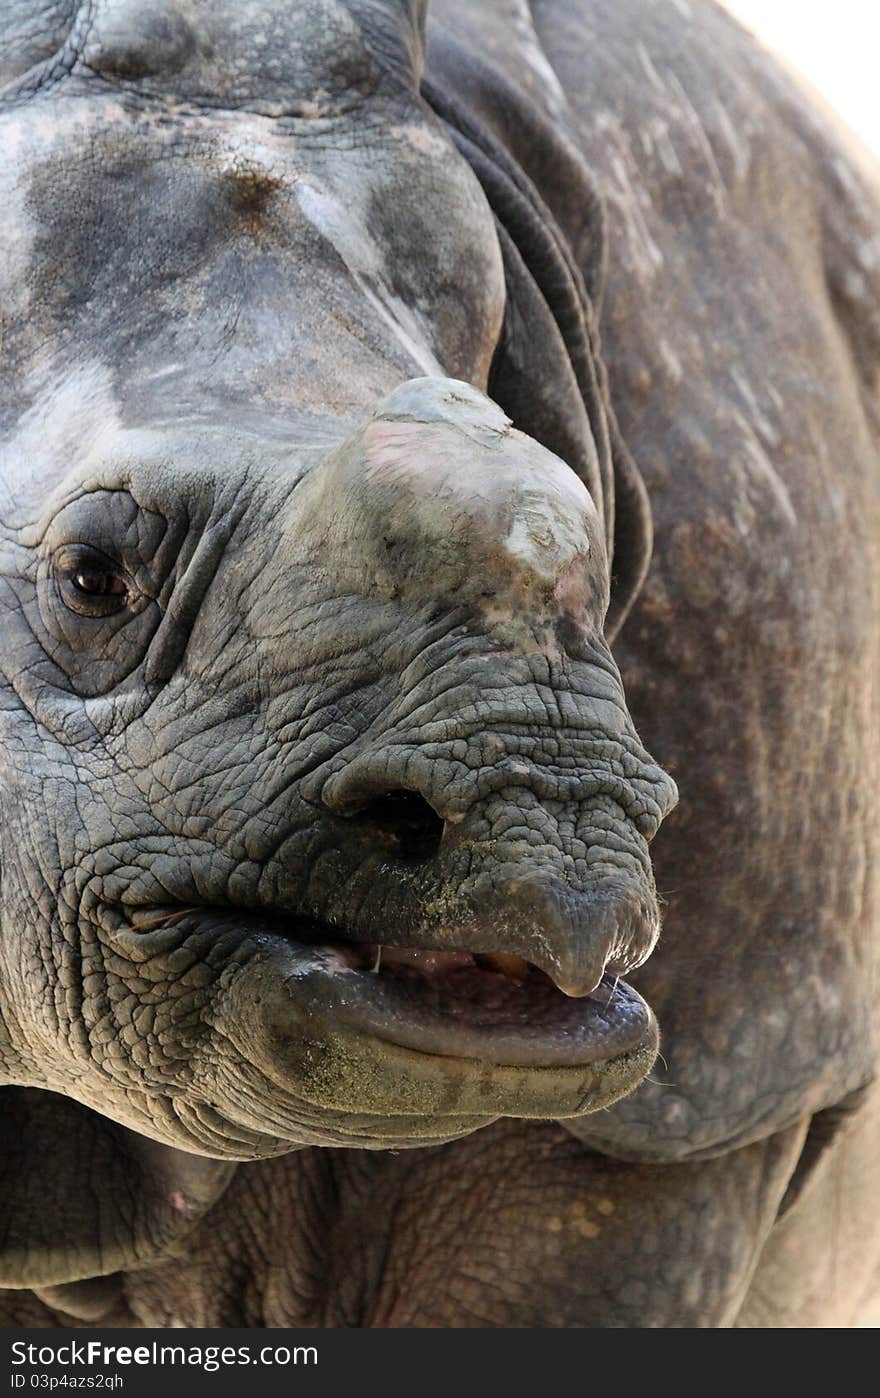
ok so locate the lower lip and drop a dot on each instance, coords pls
(471, 1013)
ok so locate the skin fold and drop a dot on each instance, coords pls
(326, 667)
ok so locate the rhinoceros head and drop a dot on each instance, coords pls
(324, 821)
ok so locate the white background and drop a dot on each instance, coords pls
(834, 43)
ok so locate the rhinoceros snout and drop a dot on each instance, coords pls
(501, 803)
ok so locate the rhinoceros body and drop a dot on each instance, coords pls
(351, 359)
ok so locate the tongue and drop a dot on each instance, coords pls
(435, 963)
(430, 963)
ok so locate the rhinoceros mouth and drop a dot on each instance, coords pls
(486, 1008)
(365, 1032)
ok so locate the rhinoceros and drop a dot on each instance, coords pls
(352, 358)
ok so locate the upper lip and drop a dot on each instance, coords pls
(543, 931)
(573, 937)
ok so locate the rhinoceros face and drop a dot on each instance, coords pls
(323, 817)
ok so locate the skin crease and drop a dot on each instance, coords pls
(288, 248)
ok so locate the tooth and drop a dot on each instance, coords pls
(514, 967)
(378, 962)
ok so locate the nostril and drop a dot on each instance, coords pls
(404, 822)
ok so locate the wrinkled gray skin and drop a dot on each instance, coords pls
(251, 296)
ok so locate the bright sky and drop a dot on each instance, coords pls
(834, 43)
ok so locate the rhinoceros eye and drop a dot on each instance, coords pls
(94, 584)
(91, 583)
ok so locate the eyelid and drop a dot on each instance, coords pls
(74, 557)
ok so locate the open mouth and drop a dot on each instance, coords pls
(494, 1008)
(487, 1008)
